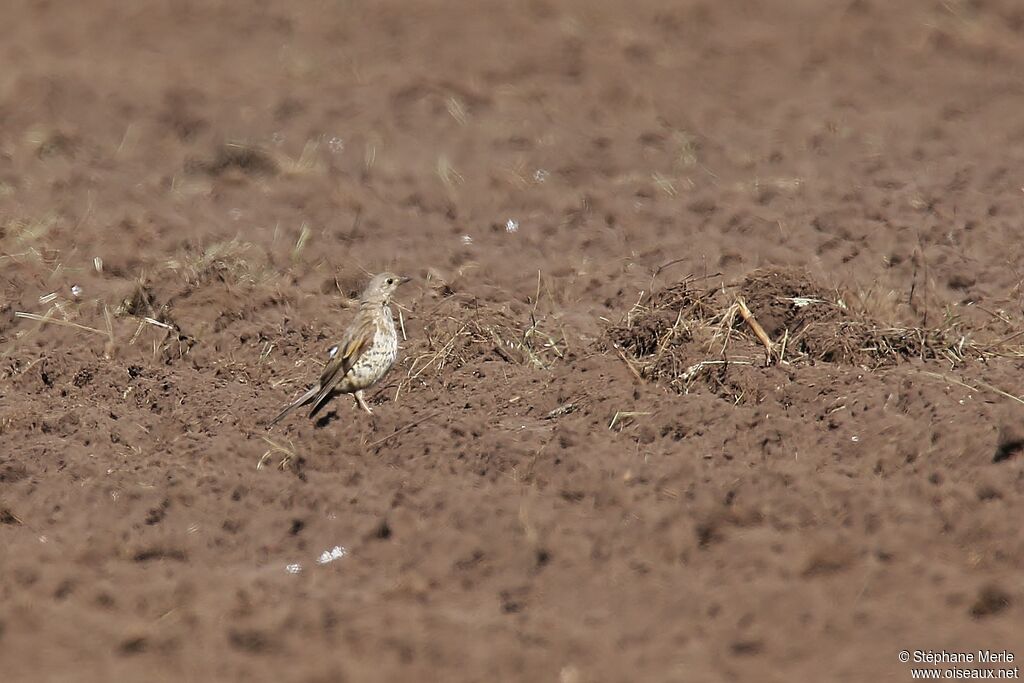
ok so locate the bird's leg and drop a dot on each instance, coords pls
(361, 402)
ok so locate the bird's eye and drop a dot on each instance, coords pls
(391, 281)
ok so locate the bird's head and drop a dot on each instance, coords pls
(382, 287)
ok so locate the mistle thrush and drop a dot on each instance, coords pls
(364, 355)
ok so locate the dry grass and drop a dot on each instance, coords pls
(251, 160)
(256, 160)
(120, 325)
(307, 162)
(305, 233)
(452, 340)
(288, 457)
(689, 332)
(168, 342)
(232, 261)
(457, 330)
(25, 233)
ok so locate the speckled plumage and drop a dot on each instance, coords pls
(375, 361)
(364, 355)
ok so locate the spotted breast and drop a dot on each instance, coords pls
(375, 361)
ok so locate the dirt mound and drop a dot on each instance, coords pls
(689, 331)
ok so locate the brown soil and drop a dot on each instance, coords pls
(583, 190)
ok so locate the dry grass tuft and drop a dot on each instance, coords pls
(475, 330)
(288, 457)
(233, 262)
(307, 162)
(27, 233)
(250, 160)
(690, 332)
(239, 159)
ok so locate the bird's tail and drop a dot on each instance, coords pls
(300, 401)
(320, 400)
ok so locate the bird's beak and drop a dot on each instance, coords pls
(403, 280)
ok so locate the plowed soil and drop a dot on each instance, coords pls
(586, 466)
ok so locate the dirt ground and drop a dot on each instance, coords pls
(582, 467)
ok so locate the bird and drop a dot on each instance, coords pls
(365, 353)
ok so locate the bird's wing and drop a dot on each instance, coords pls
(357, 340)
